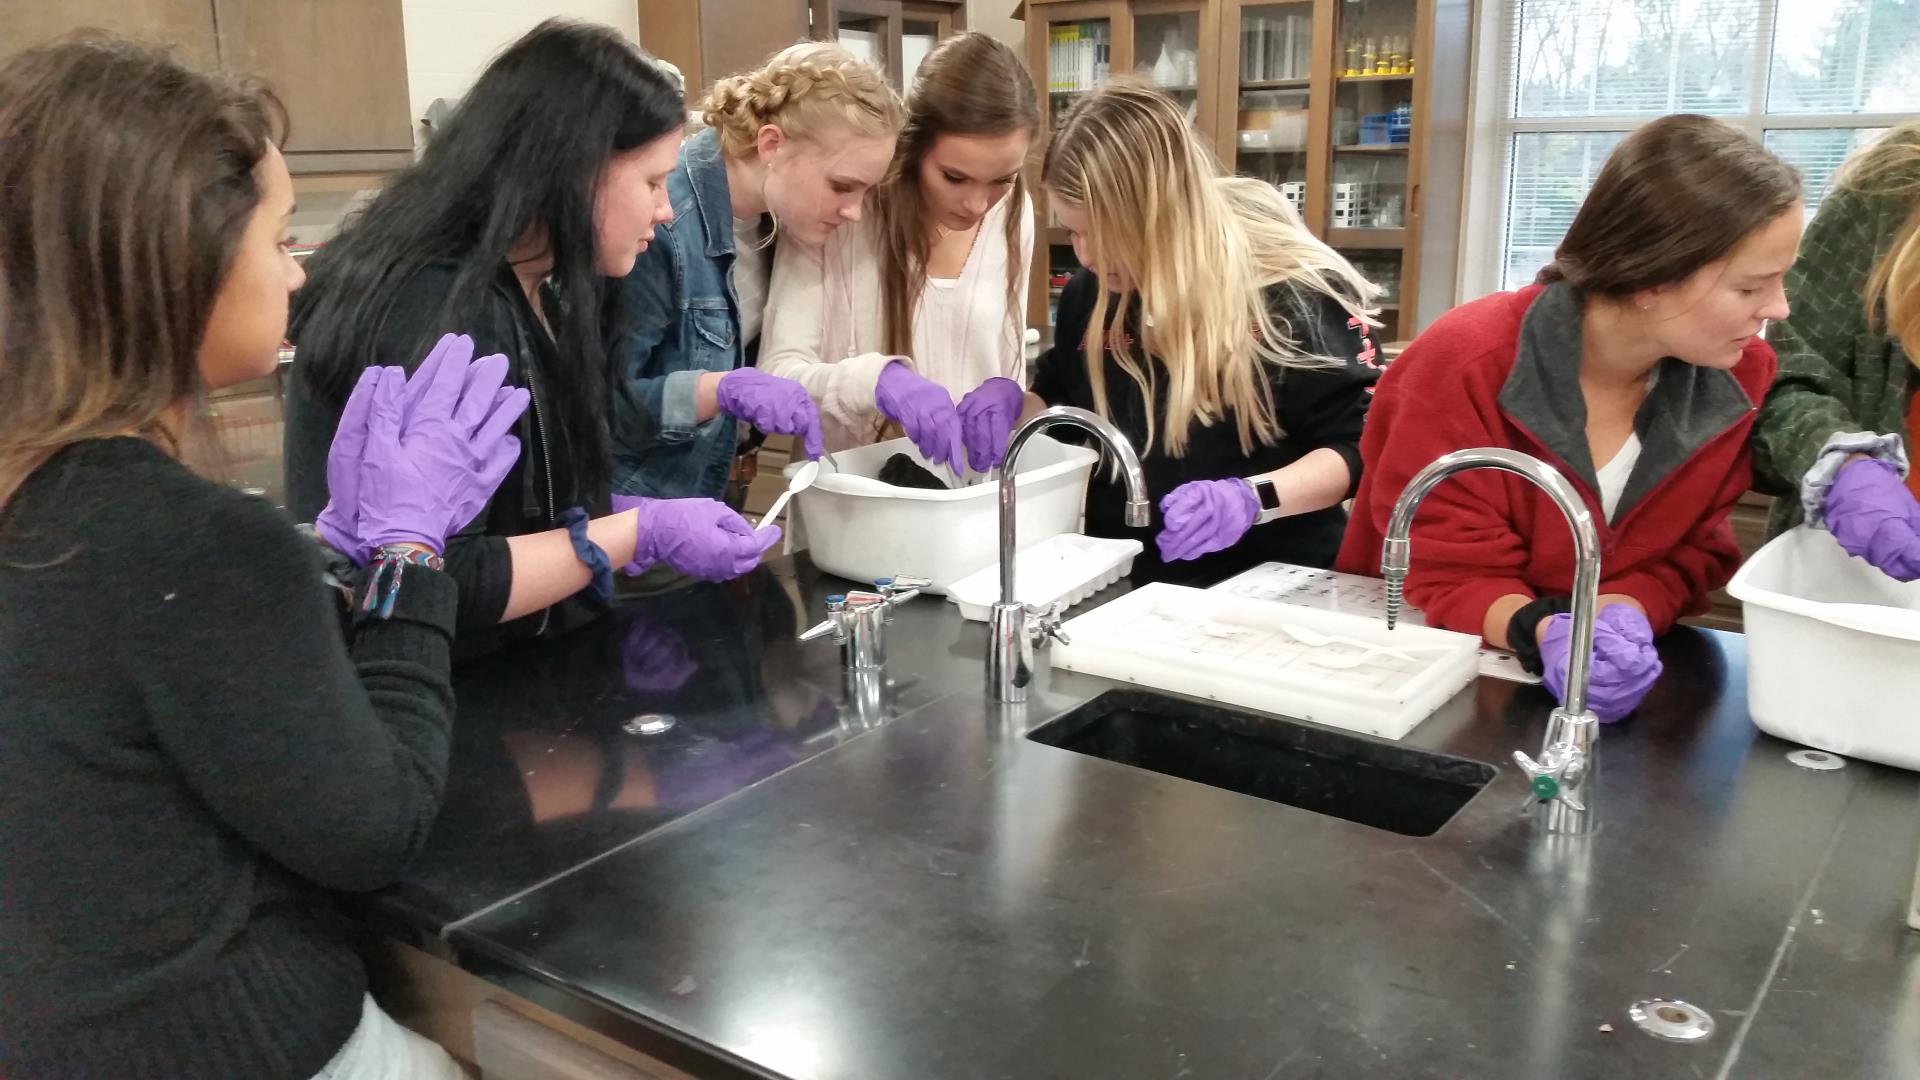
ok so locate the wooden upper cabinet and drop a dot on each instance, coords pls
(739, 35)
(339, 66)
(711, 39)
(186, 25)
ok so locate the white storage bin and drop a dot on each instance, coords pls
(1833, 649)
(1064, 570)
(861, 529)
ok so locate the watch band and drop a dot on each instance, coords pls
(1268, 493)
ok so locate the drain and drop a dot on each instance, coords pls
(649, 724)
(1818, 760)
(1672, 1020)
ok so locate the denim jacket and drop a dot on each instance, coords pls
(675, 317)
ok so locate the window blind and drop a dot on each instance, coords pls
(1816, 79)
(1631, 58)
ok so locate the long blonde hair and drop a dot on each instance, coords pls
(1202, 250)
(1890, 168)
(812, 91)
(971, 84)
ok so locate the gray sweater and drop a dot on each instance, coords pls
(190, 758)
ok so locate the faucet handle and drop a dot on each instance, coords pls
(1045, 623)
(834, 625)
(1549, 778)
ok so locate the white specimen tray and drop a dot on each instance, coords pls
(1209, 644)
(1309, 586)
(1063, 569)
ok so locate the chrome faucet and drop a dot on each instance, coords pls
(1017, 629)
(1563, 777)
(858, 621)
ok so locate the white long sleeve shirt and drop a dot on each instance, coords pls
(823, 324)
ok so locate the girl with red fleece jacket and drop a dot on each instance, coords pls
(1635, 368)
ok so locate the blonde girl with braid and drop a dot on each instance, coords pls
(788, 153)
(923, 303)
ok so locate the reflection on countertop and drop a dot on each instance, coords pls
(781, 887)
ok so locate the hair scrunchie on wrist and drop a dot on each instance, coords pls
(588, 552)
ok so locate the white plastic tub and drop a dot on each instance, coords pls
(861, 529)
(1063, 570)
(1833, 649)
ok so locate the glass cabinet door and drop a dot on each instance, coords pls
(865, 36)
(1274, 67)
(1372, 136)
(1171, 52)
(1080, 54)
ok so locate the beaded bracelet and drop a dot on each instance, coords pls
(384, 571)
(588, 552)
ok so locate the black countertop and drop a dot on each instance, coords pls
(781, 887)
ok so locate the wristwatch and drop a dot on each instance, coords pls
(1269, 496)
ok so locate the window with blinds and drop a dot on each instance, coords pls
(1815, 79)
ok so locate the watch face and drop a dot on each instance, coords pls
(1269, 495)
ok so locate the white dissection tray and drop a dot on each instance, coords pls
(1063, 570)
(1239, 651)
(1288, 583)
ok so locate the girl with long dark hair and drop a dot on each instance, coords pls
(549, 179)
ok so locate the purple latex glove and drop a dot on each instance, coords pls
(1874, 517)
(438, 445)
(1203, 516)
(775, 405)
(339, 523)
(1625, 664)
(987, 416)
(654, 659)
(924, 410)
(701, 538)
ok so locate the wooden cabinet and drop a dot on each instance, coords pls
(1325, 99)
(339, 66)
(186, 25)
(894, 34)
(711, 39)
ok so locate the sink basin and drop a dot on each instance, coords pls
(1360, 779)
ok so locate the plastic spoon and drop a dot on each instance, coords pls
(801, 481)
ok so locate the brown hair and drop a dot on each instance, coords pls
(1890, 169)
(809, 91)
(971, 84)
(1677, 194)
(128, 180)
